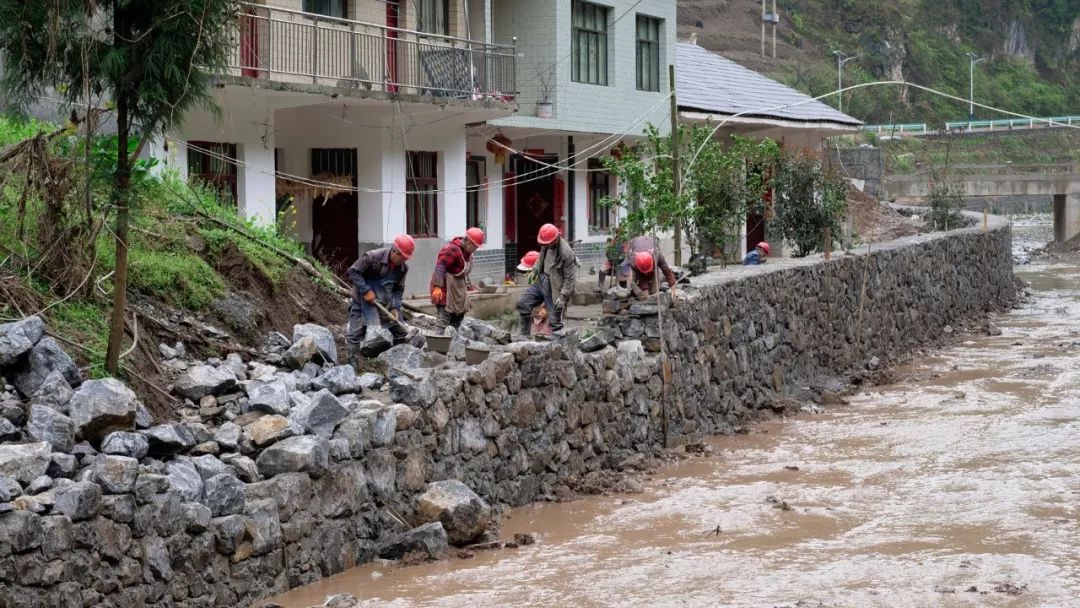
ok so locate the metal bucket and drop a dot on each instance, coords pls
(439, 343)
(474, 356)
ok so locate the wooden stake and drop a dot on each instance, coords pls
(986, 219)
(676, 145)
(828, 243)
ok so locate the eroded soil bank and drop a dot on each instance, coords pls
(957, 486)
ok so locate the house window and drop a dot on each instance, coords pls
(329, 8)
(422, 198)
(215, 165)
(600, 215)
(648, 53)
(474, 175)
(590, 43)
(433, 16)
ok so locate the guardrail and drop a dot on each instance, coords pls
(975, 125)
(296, 47)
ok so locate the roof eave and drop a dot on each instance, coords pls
(817, 125)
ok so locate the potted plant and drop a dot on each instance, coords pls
(546, 78)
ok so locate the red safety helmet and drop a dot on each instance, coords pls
(405, 244)
(764, 247)
(475, 235)
(548, 234)
(643, 262)
(528, 261)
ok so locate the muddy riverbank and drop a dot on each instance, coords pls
(958, 485)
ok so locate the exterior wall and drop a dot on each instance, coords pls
(543, 31)
(516, 428)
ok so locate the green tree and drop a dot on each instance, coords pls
(151, 58)
(810, 198)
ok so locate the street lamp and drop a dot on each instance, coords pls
(841, 59)
(973, 59)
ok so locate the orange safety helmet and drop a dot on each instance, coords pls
(643, 262)
(405, 244)
(475, 235)
(764, 247)
(548, 234)
(528, 261)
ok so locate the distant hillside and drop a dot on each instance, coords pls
(1032, 49)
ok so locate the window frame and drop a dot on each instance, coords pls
(421, 194)
(648, 48)
(441, 11)
(601, 218)
(589, 24)
(209, 165)
(308, 7)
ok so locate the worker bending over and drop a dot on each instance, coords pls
(450, 280)
(378, 277)
(645, 257)
(758, 255)
(557, 266)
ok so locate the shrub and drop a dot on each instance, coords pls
(810, 197)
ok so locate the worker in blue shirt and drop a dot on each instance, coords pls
(758, 255)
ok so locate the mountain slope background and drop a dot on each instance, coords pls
(1032, 50)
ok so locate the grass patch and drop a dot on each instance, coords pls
(183, 279)
(84, 324)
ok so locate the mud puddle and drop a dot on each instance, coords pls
(958, 488)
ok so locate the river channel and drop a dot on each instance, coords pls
(957, 486)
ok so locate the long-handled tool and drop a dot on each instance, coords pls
(412, 331)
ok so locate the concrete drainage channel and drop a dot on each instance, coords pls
(291, 468)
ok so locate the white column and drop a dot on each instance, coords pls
(494, 218)
(255, 187)
(452, 183)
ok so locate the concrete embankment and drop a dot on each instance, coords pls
(167, 529)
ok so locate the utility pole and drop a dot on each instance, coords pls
(773, 19)
(841, 59)
(972, 60)
(676, 168)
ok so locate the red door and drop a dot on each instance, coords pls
(249, 43)
(392, 13)
(560, 205)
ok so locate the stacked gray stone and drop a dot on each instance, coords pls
(246, 497)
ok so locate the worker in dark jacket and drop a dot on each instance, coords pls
(644, 257)
(758, 255)
(450, 280)
(378, 276)
(558, 265)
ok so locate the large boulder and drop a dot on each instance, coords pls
(116, 474)
(224, 495)
(228, 435)
(9, 488)
(18, 338)
(302, 352)
(125, 443)
(324, 340)
(20, 531)
(100, 407)
(204, 380)
(430, 538)
(417, 391)
(339, 380)
(168, 439)
(55, 392)
(308, 454)
(209, 466)
(25, 462)
(49, 425)
(45, 358)
(320, 415)
(78, 500)
(185, 479)
(462, 512)
(270, 397)
(403, 357)
(376, 341)
(268, 429)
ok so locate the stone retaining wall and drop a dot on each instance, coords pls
(515, 428)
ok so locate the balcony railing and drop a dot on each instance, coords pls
(297, 47)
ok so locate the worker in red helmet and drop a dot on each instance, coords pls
(758, 255)
(643, 258)
(556, 271)
(378, 275)
(450, 280)
(541, 313)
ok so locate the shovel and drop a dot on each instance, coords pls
(412, 331)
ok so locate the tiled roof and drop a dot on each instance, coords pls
(710, 83)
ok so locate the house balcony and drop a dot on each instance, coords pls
(295, 49)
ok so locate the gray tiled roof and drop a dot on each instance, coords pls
(710, 83)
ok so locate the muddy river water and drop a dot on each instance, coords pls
(959, 486)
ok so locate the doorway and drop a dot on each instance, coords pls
(537, 198)
(334, 220)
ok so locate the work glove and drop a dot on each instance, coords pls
(436, 295)
(560, 304)
(369, 297)
(396, 314)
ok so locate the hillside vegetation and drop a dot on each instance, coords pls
(1032, 50)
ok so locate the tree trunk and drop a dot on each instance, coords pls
(122, 180)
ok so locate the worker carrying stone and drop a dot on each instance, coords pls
(643, 256)
(378, 277)
(450, 280)
(757, 256)
(557, 268)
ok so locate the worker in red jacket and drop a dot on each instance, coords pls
(450, 280)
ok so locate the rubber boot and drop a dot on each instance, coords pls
(525, 329)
